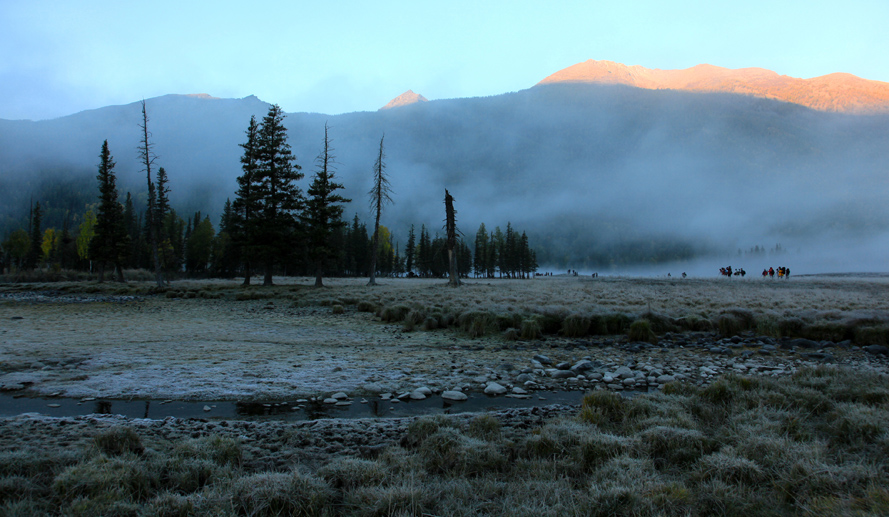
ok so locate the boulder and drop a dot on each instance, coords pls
(454, 395)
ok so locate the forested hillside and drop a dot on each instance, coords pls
(597, 175)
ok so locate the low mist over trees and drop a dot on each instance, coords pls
(270, 224)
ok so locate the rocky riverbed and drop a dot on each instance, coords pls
(127, 347)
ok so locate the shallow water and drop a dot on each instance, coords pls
(12, 405)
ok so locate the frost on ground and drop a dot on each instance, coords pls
(290, 342)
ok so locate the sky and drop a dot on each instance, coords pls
(59, 57)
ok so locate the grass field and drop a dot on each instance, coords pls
(814, 442)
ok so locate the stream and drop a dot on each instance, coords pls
(374, 407)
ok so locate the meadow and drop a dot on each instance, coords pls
(810, 441)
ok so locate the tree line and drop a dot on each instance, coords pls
(270, 227)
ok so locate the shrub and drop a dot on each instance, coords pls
(103, 478)
(790, 327)
(659, 323)
(394, 313)
(337, 309)
(551, 320)
(350, 473)
(726, 465)
(430, 323)
(728, 325)
(575, 325)
(406, 498)
(511, 334)
(508, 320)
(640, 330)
(422, 428)
(485, 427)
(218, 449)
(872, 335)
(602, 408)
(600, 447)
(365, 306)
(278, 493)
(673, 446)
(530, 329)
(613, 324)
(449, 451)
(119, 440)
(476, 323)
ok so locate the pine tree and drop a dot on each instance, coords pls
(481, 251)
(248, 203)
(276, 177)
(110, 242)
(451, 229)
(424, 253)
(409, 252)
(491, 258)
(199, 245)
(380, 194)
(323, 214)
(225, 256)
(35, 251)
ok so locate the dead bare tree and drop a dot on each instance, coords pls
(451, 229)
(148, 157)
(380, 194)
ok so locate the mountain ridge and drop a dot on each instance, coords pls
(611, 171)
(839, 92)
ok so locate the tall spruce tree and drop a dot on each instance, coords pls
(480, 266)
(165, 224)
(380, 194)
(409, 252)
(248, 203)
(281, 198)
(110, 242)
(451, 230)
(324, 211)
(35, 251)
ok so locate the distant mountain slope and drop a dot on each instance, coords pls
(834, 92)
(597, 174)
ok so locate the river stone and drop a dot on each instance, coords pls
(494, 388)
(454, 395)
(877, 349)
(339, 396)
(330, 400)
(664, 379)
(372, 387)
(417, 395)
(424, 390)
(563, 366)
(582, 366)
(623, 372)
(563, 374)
(519, 391)
(524, 378)
(542, 359)
(629, 382)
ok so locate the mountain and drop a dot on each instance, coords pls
(599, 175)
(838, 92)
(406, 98)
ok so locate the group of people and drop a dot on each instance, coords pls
(727, 271)
(783, 272)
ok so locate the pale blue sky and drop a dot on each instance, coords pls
(64, 56)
